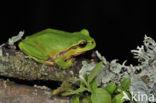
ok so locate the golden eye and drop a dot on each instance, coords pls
(82, 44)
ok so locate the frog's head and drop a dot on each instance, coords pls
(83, 43)
(86, 42)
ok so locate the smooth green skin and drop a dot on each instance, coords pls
(45, 46)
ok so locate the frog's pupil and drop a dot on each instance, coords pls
(92, 42)
(83, 44)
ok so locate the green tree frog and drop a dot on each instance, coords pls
(52, 46)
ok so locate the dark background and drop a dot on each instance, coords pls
(117, 26)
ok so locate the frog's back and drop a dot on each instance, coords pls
(48, 32)
(52, 41)
(52, 36)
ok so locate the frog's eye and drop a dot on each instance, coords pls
(92, 42)
(82, 44)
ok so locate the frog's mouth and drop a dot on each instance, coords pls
(73, 55)
(76, 54)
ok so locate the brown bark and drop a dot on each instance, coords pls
(14, 93)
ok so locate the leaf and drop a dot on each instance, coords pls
(100, 95)
(111, 87)
(82, 84)
(93, 85)
(80, 90)
(75, 99)
(125, 83)
(83, 81)
(118, 89)
(122, 97)
(86, 99)
(65, 86)
(94, 72)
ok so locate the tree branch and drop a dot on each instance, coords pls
(14, 63)
(14, 93)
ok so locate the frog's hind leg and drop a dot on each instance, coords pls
(33, 51)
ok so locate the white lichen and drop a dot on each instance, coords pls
(86, 68)
(137, 88)
(1, 51)
(41, 87)
(16, 38)
(115, 72)
(102, 58)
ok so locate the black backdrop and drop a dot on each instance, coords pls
(117, 26)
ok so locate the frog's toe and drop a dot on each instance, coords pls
(65, 64)
(49, 63)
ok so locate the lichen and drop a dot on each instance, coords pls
(86, 68)
(14, 39)
(138, 86)
(143, 79)
(112, 71)
(146, 55)
(1, 51)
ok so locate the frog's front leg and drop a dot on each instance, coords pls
(63, 62)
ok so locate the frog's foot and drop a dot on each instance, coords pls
(49, 62)
(51, 68)
(65, 63)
